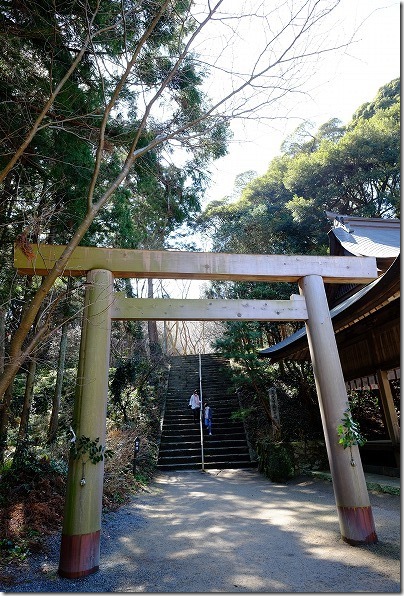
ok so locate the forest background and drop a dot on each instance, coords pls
(108, 136)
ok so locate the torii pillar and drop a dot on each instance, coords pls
(80, 546)
(82, 518)
(350, 490)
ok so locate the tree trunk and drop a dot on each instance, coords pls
(7, 398)
(2, 339)
(4, 413)
(53, 424)
(8, 395)
(22, 438)
(152, 327)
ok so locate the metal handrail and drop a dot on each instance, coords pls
(201, 412)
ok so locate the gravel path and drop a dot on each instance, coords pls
(230, 531)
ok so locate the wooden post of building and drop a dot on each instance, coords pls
(80, 546)
(351, 494)
(390, 414)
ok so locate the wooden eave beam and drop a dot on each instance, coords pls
(165, 309)
(197, 265)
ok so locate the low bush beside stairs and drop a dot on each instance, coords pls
(180, 444)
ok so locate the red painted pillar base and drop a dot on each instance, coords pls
(357, 525)
(79, 555)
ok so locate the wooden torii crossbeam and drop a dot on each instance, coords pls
(80, 552)
(199, 309)
(175, 264)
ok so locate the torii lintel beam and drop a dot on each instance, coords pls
(169, 264)
(166, 309)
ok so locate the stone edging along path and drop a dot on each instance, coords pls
(375, 482)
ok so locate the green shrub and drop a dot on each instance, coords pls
(275, 460)
(309, 455)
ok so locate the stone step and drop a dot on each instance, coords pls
(178, 400)
(192, 457)
(221, 409)
(219, 401)
(188, 417)
(208, 465)
(195, 436)
(225, 410)
(223, 425)
(210, 442)
(196, 457)
(180, 446)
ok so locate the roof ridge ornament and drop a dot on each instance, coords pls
(339, 222)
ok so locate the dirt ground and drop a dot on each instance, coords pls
(228, 531)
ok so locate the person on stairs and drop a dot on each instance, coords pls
(208, 417)
(195, 403)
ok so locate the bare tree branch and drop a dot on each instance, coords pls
(271, 77)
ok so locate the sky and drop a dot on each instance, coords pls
(344, 82)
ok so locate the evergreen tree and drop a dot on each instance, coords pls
(350, 170)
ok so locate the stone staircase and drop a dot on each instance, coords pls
(180, 444)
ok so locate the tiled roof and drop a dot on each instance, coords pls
(333, 312)
(367, 237)
(384, 289)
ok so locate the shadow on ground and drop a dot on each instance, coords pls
(231, 531)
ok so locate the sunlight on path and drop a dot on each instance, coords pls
(236, 531)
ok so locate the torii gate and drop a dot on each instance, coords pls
(80, 546)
